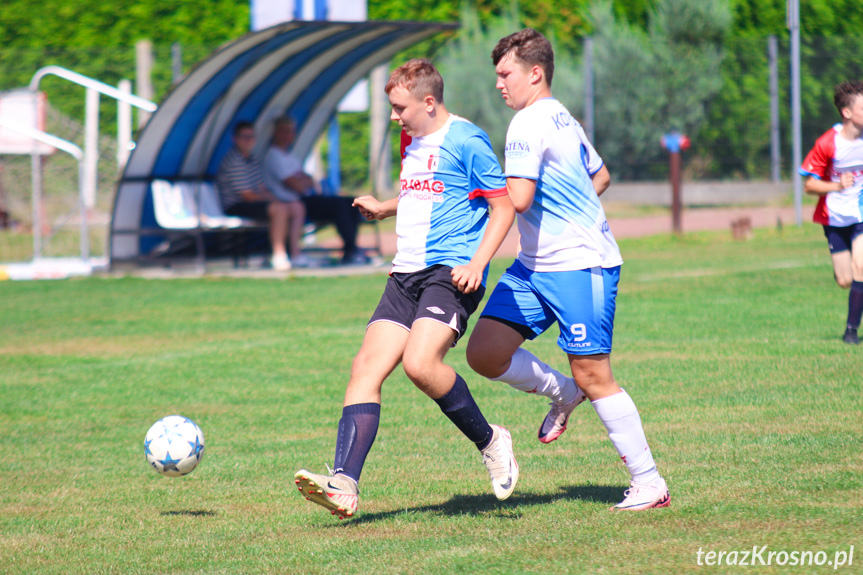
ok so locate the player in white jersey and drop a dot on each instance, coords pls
(566, 272)
(834, 168)
(450, 179)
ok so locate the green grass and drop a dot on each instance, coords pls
(751, 403)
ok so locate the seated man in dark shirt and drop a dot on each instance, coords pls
(241, 188)
(284, 175)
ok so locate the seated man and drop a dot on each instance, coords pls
(241, 188)
(284, 175)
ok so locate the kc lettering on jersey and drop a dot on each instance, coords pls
(445, 179)
(562, 120)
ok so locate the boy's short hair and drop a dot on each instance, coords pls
(845, 93)
(243, 125)
(530, 47)
(419, 77)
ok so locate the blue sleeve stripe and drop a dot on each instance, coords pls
(803, 172)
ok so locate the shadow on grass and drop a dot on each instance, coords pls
(509, 509)
(190, 513)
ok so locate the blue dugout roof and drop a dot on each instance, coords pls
(302, 69)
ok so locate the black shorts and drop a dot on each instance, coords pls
(840, 239)
(428, 293)
(250, 210)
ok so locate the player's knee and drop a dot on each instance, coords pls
(843, 281)
(363, 362)
(415, 368)
(482, 360)
(476, 359)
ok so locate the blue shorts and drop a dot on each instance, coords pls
(840, 239)
(582, 303)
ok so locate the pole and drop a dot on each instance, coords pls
(83, 176)
(775, 157)
(91, 147)
(588, 90)
(379, 164)
(144, 82)
(675, 192)
(334, 168)
(124, 125)
(36, 177)
(176, 63)
(794, 27)
(36, 174)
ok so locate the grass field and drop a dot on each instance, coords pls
(732, 352)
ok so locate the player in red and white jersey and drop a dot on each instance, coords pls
(835, 174)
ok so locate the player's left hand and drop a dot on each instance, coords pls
(467, 278)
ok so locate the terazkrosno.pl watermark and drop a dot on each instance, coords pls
(765, 556)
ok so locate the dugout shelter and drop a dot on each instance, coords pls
(302, 69)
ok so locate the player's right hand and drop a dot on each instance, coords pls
(366, 205)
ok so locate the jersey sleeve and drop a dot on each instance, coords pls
(483, 170)
(589, 156)
(820, 157)
(523, 152)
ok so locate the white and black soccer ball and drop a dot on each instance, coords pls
(174, 445)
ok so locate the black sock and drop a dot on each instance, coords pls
(855, 304)
(357, 430)
(458, 404)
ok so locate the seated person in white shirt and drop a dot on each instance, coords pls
(284, 175)
(242, 191)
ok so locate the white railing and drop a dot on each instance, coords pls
(76, 152)
(88, 166)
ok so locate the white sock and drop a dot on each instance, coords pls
(620, 417)
(527, 373)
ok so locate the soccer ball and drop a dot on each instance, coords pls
(174, 445)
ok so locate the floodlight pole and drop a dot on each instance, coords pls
(793, 9)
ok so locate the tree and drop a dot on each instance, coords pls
(469, 75)
(651, 82)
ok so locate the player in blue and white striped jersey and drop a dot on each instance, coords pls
(566, 271)
(450, 179)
